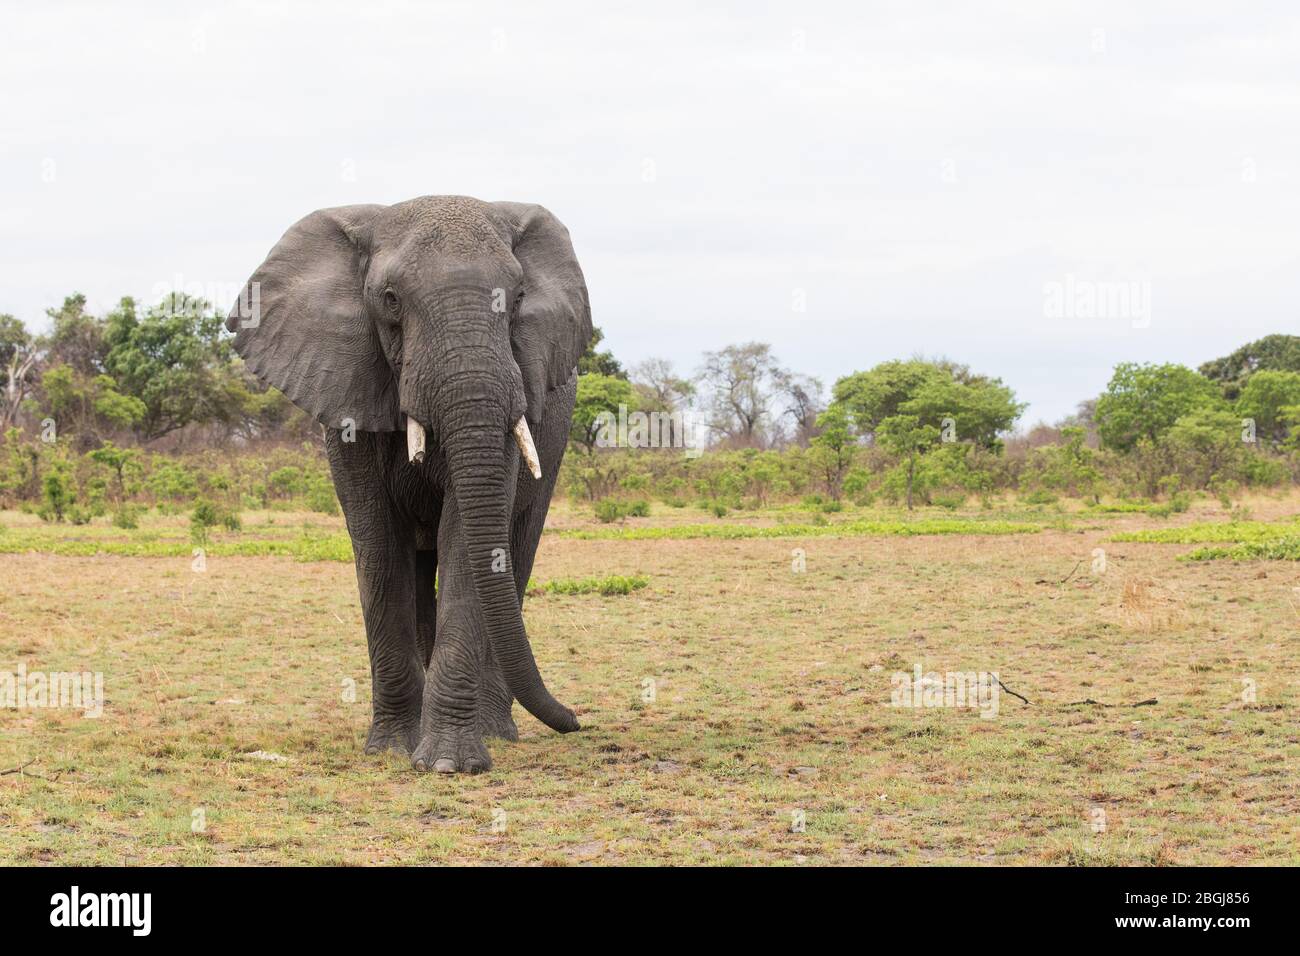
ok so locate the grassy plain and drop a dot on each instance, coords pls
(745, 687)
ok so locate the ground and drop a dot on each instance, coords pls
(736, 710)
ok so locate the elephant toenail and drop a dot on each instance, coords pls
(421, 766)
(445, 765)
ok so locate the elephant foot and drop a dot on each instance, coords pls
(393, 734)
(499, 725)
(452, 749)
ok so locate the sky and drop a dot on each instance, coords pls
(1038, 190)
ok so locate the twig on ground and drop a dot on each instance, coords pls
(1150, 701)
(21, 770)
(1071, 574)
(1010, 691)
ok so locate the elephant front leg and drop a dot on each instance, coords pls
(451, 729)
(451, 736)
(387, 585)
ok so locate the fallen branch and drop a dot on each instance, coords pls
(1071, 574)
(21, 770)
(1009, 690)
(1150, 701)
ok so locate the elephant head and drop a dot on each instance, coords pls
(441, 316)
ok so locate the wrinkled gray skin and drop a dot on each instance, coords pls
(463, 315)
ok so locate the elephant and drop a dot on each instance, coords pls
(437, 341)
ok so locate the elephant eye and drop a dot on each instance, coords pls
(391, 303)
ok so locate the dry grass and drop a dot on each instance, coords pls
(771, 695)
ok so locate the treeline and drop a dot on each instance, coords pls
(936, 431)
(149, 406)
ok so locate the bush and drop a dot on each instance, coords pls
(1040, 497)
(127, 517)
(638, 509)
(58, 495)
(321, 497)
(608, 510)
(203, 518)
(949, 502)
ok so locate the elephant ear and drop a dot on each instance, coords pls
(553, 325)
(301, 327)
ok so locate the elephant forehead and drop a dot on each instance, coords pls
(453, 225)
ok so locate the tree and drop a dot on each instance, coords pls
(833, 449)
(19, 355)
(660, 389)
(1278, 353)
(803, 403)
(120, 460)
(1144, 401)
(1265, 399)
(1206, 444)
(77, 338)
(906, 436)
(88, 406)
(175, 361)
(741, 381)
(931, 391)
(592, 362)
(872, 396)
(599, 398)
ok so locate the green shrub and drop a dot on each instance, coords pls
(321, 497)
(949, 502)
(127, 516)
(638, 509)
(78, 514)
(173, 481)
(1040, 496)
(608, 510)
(203, 518)
(58, 495)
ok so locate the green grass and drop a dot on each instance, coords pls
(1280, 549)
(1130, 508)
(848, 529)
(87, 542)
(1236, 532)
(607, 586)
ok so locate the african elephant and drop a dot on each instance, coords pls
(437, 341)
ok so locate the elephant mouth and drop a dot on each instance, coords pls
(417, 440)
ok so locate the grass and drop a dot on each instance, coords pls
(1239, 532)
(1278, 549)
(846, 529)
(606, 587)
(734, 692)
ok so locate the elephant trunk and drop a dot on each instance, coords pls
(476, 464)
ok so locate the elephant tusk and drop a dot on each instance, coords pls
(524, 439)
(414, 440)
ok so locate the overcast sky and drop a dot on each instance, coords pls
(851, 182)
